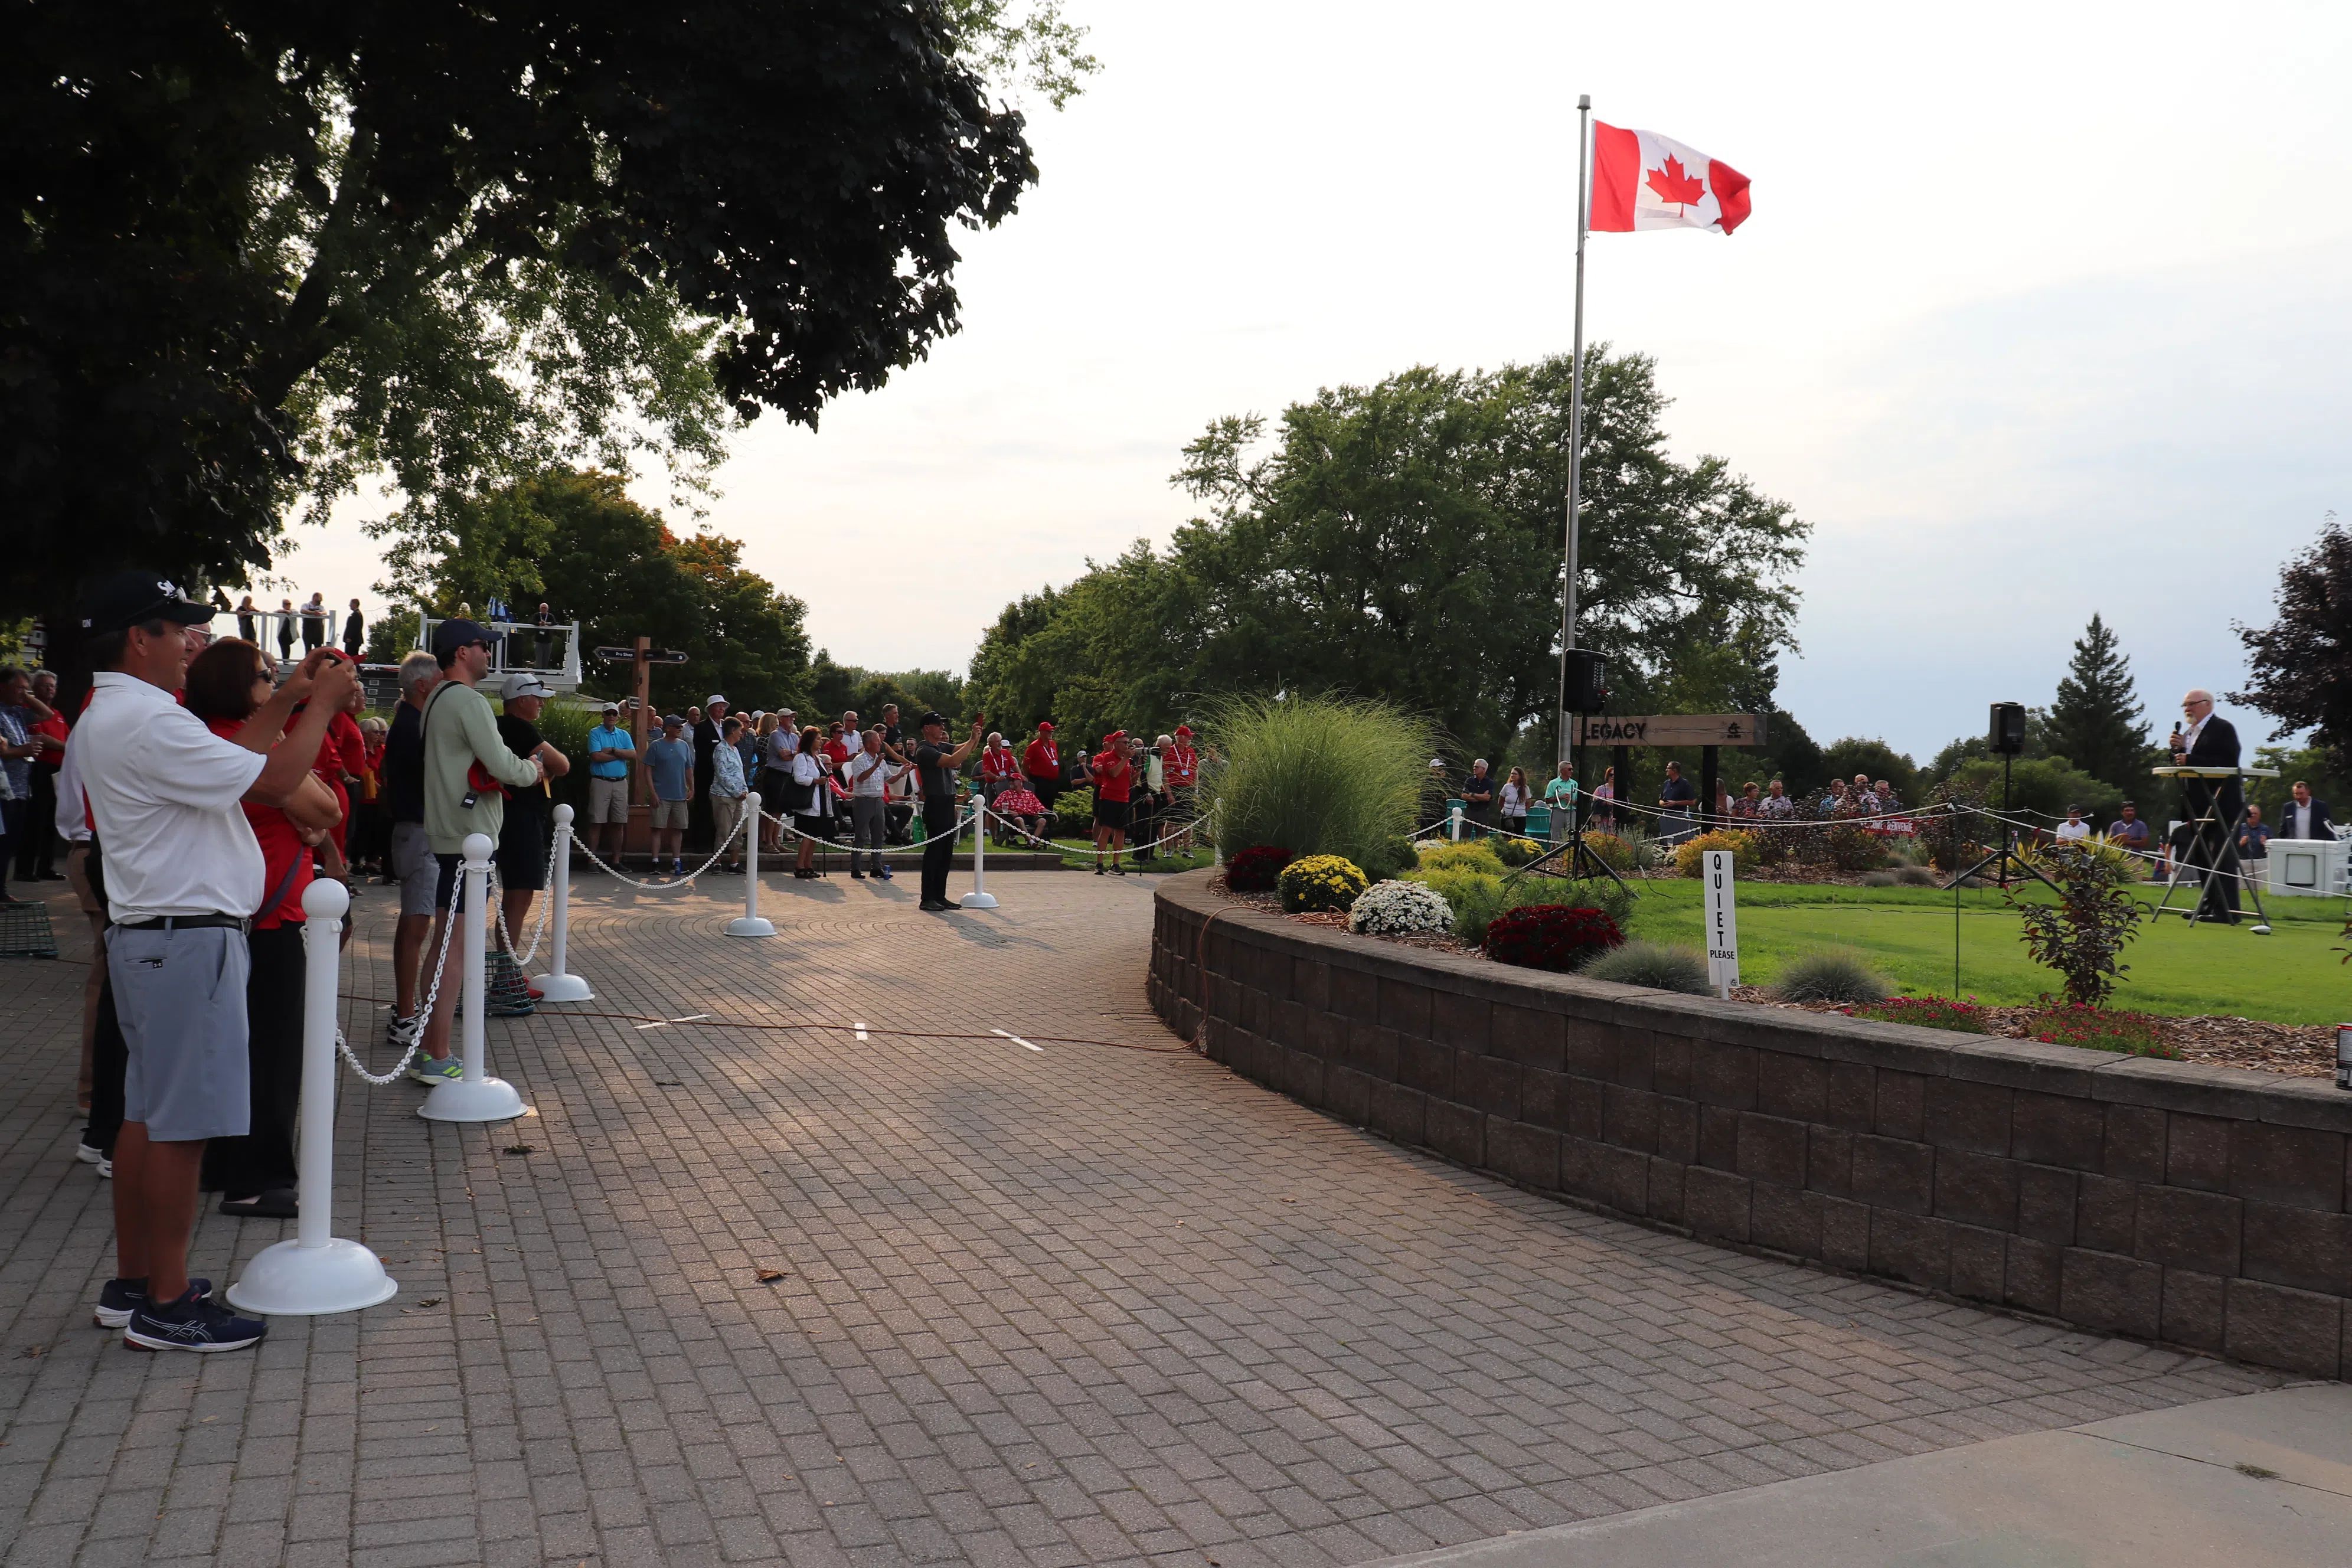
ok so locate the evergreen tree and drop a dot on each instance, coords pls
(2097, 722)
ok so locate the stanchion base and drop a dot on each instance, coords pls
(562, 988)
(491, 1099)
(977, 902)
(751, 925)
(291, 1280)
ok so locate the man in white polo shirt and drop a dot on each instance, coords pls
(183, 874)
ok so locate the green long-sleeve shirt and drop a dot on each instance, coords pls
(459, 729)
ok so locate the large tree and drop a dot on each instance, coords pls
(1404, 539)
(258, 251)
(2302, 662)
(2097, 722)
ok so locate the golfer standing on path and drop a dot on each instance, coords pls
(183, 875)
(935, 766)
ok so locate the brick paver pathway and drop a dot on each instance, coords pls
(1079, 1305)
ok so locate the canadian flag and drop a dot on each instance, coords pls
(1643, 180)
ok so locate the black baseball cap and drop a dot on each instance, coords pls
(933, 717)
(126, 599)
(452, 635)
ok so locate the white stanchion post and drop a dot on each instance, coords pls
(557, 985)
(316, 1273)
(749, 922)
(1453, 824)
(980, 897)
(476, 1097)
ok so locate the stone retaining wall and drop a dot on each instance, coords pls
(2199, 1205)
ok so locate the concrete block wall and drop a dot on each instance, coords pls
(2198, 1205)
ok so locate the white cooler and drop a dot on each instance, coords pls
(2307, 867)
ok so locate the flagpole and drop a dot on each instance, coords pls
(1575, 429)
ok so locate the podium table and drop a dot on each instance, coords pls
(2213, 847)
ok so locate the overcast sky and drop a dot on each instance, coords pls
(2041, 310)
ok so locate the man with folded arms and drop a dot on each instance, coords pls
(183, 875)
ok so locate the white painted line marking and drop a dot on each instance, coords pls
(656, 1024)
(1018, 1040)
(690, 1017)
(860, 1028)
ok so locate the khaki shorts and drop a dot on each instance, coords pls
(608, 800)
(726, 816)
(670, 814)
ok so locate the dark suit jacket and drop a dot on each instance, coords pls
(2216, 747)
(2321, 825)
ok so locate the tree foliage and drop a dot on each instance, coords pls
(1404, 540)
(2083, 934)
(1843, 759)
(2097, 722)
(258, 251)
(2302, 662)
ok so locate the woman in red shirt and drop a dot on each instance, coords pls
(1043, 764)
(256, 1174)
(1114, 777)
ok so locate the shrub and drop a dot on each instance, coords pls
(1253, 870)
(2083, 934)
(1514, 852)
(1319, 882)
(1650, 963)
(1949, 836)
(1551, 936)
(1853, 847)
(1329, 775)
(1464, 857)
(1916, 877)
(1400, 909)
(1834, 974)
(1741, 845)
(2099, 1029)
(1612, 851)
(1399, 856)
(1878, 879)
(1929, 1011)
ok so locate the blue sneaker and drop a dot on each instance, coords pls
(425, 1071)
(121, 1298)
(191, 1323)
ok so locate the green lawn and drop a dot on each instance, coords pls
(2291, 976)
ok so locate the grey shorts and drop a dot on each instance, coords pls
(413, 865)
(180, 997)
(670, 816)
(608, 800)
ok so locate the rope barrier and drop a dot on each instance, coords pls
(1183, 832)
(674, 883)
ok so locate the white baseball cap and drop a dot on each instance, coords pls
(528, 686)
(714, 698)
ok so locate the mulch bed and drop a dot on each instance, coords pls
(2291, 1050)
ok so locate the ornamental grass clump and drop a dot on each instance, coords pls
(1328, 775)
(1254, 868)
(1833, 975)
(1654, 964)
(1400, 909)
(1551, 936)
(1319, 882)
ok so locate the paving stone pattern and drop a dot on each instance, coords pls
(1087, 1304)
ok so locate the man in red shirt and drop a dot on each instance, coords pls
(1180, 768)
(1114, 778)
(1043, 764)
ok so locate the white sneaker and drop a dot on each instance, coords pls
(89, 1156)
(105, 1169)
(403, 1032)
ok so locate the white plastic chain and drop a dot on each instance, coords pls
(539, 923)
(961, 822)
(672, 886)
(424, 1012)
(1069, 849)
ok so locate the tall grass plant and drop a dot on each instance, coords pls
(1323, 775)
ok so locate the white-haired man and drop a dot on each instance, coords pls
(2206, 740)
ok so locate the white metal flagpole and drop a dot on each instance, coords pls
(1575, 423)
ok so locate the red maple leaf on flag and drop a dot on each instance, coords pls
(1673, 185)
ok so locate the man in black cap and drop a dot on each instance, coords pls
(184, 876)
(935, 766)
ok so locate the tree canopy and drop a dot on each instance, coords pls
(1404, 539)
(258, 252)
(2302, 662)
(2098, 722)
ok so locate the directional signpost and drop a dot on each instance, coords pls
(644, 657)
(1711, 731)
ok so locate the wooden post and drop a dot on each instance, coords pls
(1709, 757)
(644, 693)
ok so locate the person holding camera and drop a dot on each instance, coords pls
(935, 766)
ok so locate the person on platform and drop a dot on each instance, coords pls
(2206, 740)
(354, 631)
(2305, 816)
(247, 612)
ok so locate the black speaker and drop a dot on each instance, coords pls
(1588, 681)
(2008, 729)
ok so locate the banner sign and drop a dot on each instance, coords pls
(1722, 924)
(1671, 730)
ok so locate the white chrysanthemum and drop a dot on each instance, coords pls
(1400, 909)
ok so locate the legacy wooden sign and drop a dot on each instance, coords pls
(1671, 730)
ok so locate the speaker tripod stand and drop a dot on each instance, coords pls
(2002, 858)
(1582, 863)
